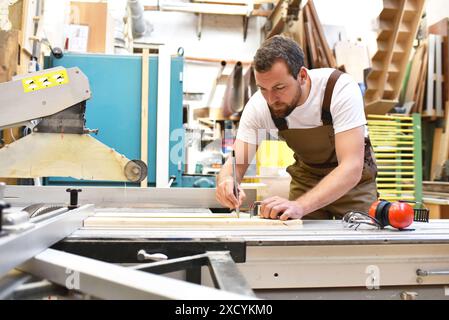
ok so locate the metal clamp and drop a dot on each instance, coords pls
(254, 209)
(73, 198)
(2, 190)
(3, 205)
(425, 273)
(142, 255)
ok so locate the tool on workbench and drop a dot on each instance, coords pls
(382, 213)
(254, 209)
(234, 177)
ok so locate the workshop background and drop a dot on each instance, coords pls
(147, 97)
(397, 52)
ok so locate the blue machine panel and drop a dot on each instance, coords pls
(115, 106)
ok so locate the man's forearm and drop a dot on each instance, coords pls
(226, 171)
(332, 187)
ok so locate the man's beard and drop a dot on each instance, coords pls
(281, 110)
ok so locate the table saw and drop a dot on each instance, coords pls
(303, 260)
(173, 243)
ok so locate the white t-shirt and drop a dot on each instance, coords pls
(347, 109)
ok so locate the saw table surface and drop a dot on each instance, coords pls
(185, 220)
(310, 232)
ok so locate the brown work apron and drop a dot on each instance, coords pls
(314, 152)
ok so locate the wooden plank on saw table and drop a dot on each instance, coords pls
(166, 215)
(203, 223)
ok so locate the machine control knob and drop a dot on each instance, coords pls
(73, 198)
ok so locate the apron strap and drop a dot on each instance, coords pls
(326, 115)
(280, 123)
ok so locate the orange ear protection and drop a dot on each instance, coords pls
(396, 214)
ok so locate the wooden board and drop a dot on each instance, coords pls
(440, 152)
(421, 85)
(329, 57)
(430, 111)
(27, 27)
(377, 78)
(444, 149)
(313, 61)
(437, 211)
(436, 152)
(354, 57)
(415, 72)
(277, 18)
(95, 16)
(439, 77)
(144, 112)
(380, 107)
(8, 54)
(244, 222)
(8, 69)
(403, 45)
(19, 20)
(436, 187)
(442, 28)
(302, 36)
(166, 215)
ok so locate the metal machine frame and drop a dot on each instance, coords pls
(28, 251)
(320, 259)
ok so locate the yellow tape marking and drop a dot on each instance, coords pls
(45, 81)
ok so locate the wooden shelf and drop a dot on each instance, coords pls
(397, 57)
(412, 6)
(381, 57)
(409, 16)
(382, 46)
(404, 36)
(388, 14)
(388, 88)
(380, 107)
(393, 68)
(398, 22)
(399, 47)
(384, 35)
(406, 27)
(372, 84)
(391, 4)
(277, 29)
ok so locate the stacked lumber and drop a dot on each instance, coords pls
(435, 196)
(437, 80)
(440, 150)
(436, 188)
(8, 69)
(317, 48)
(416, 85)
(434, 96)
(441, 28)
(398, 24)
(437, 96)
(353, 58)
(303, 26)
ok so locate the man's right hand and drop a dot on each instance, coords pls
(225, 194)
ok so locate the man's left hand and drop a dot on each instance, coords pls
(280, 208)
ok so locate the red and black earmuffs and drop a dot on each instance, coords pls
(396, 214)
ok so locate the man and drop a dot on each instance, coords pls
(320, 115)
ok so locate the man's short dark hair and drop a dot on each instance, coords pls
(279, 48)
